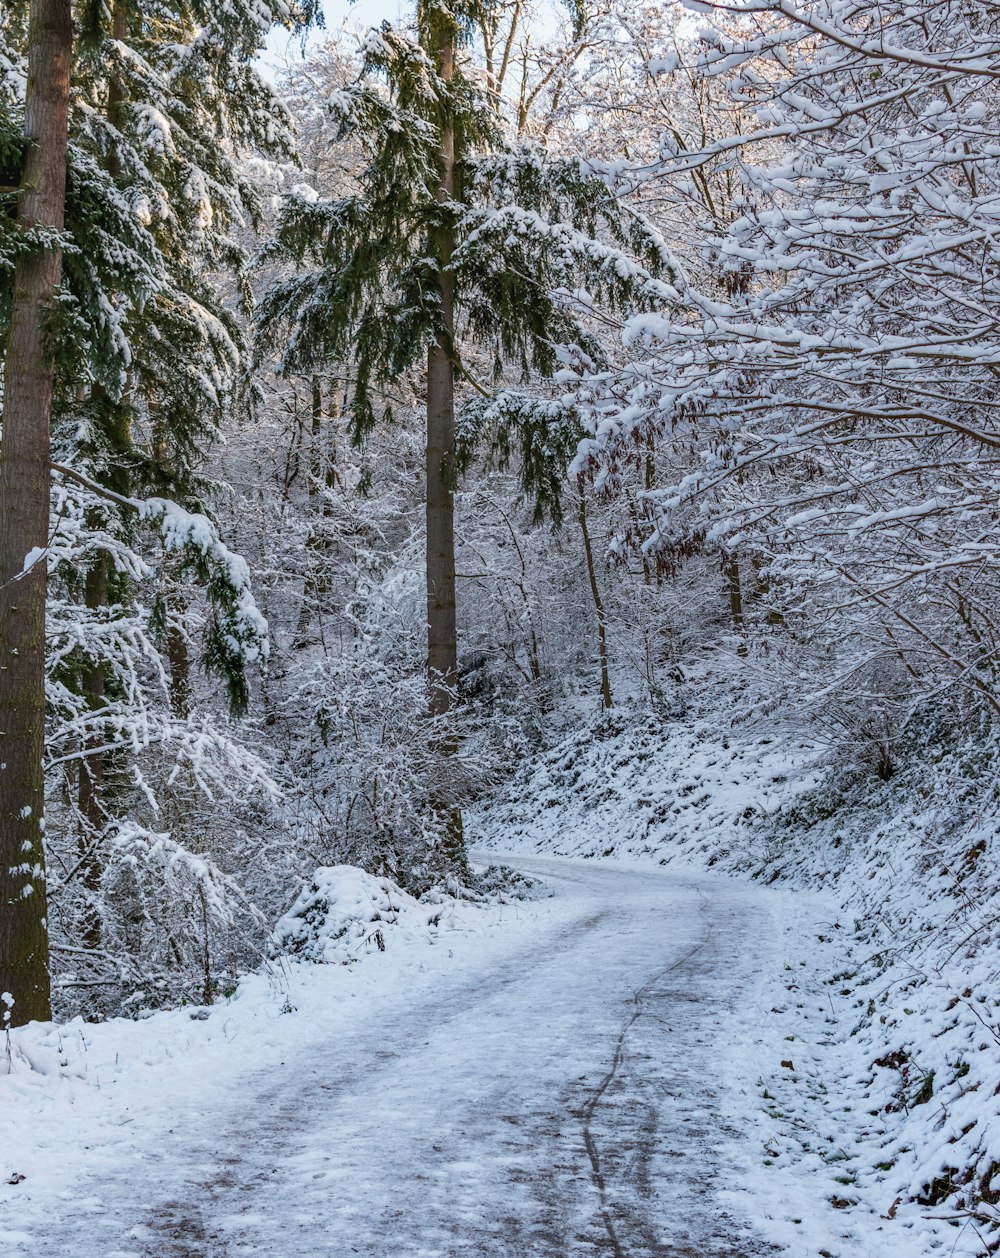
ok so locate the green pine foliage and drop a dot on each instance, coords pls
(167, 105)
(539, 242)
(170, 105)
(150, 353)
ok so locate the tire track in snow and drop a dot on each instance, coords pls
(589, 1110)
(180, 1225)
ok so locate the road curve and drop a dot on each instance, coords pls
(562, 1101)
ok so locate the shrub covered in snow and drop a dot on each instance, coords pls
(344, 913)
(501, 884)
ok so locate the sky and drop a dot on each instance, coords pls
(367, 11)
(357, 16)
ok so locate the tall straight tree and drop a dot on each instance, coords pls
(438, 35)
(118, 353)
(29, 378)
(454, 239)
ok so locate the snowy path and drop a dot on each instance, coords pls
(568, 1091)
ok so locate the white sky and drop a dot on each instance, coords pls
(359, 16)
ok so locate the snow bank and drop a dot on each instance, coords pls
(345, 913)
(633, 785)
(917, 1042)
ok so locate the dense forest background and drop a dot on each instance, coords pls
(714, 293)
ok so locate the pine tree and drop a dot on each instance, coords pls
(134, 356)
(454, 241)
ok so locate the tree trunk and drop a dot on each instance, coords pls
(176, 643)
(116, 92)
(736, 601)
(442, 639)
(532, 644)
(322, 480)
(179, 660)
(774, 616)
(442, 645)
(29, 377)
(595, 592)
(90, 797)
(90, 792)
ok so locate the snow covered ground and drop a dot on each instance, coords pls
(887, 1109)
(627, 1068)
(578, 1075)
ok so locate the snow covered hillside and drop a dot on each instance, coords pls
(891, 1014)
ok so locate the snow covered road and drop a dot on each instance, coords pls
(569, 1085)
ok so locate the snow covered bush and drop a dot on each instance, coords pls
(145, 783)
(359, 746)
(344, 913)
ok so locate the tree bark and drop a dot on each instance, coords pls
(178, 655)
(322, 481)
(90, 797)
(116, 92)
(774, 616)
(442, 640)
(442, 635)
(736, 601)
(595, 593)
(29, 378)
(179, 661)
